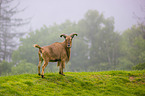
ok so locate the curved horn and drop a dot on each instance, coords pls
(64, 35)
(73, 34)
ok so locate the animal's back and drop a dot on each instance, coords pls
(54, 51)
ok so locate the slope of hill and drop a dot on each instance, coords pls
(107, 83)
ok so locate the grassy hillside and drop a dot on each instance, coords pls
(108, 83)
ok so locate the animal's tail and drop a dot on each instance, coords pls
(37, 46)
(39, 53)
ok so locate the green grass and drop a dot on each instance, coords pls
(107, 83)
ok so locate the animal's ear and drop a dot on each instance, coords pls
(64, 35)
(73, 34)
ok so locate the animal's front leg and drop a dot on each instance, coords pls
(61, 68)
(60, 71)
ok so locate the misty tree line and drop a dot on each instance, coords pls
(8, 29)
(96, 48)
(8, 32)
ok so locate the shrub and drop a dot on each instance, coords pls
(140, 66)
(24, 67)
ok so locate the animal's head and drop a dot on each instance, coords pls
(68, 39)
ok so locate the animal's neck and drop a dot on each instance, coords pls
(68, 50)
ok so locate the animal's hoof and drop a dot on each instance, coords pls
(61, 73)
(39, 74)
(42, 76)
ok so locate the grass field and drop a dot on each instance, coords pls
(107, 83)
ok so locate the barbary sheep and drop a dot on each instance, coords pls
(57, 52)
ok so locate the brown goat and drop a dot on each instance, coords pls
(57, 52)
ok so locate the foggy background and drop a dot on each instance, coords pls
(49, 12)
(111, 34)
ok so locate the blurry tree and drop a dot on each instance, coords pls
(79, 54)
(103, 42)
(133, 46)
(8, 24)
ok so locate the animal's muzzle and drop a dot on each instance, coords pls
(69, 46)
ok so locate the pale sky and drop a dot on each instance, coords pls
(48, 12)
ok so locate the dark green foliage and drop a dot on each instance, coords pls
(5, 67)
(133, 47)
(24, 67)
(140, 66)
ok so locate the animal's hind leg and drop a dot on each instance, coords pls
(43, 67)
(40, 61)
(39, 67)
(58, 63)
